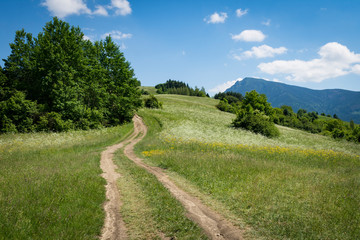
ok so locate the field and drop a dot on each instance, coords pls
(50, 183)
(298, 186)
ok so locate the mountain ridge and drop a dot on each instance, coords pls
(344, 103)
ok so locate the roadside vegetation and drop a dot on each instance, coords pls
(51, 186)
(298, 185)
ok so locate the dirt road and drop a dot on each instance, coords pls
(214, 225)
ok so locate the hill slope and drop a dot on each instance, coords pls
(344, 103)
(297, 186)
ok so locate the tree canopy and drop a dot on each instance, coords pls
(59, 81)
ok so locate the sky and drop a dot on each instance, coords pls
(212, 43)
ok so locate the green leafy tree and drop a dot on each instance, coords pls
(258, 102)
(19, 65)
(255, 115)
(59, 81)
(123, 94)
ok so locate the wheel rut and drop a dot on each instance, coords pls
(213, 224)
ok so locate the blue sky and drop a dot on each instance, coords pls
(309, 43)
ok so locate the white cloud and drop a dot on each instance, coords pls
(63, 8)
(86, 37)
(117, 35)
(267, 22)
(335, 60)
(249, 36)
(100, 10)
(122, 7)
(262, 51)
(356, 69)
(224, 86)
(240, 13)
(216, 18)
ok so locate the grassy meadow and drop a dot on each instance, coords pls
(297, 186)
(50, 183)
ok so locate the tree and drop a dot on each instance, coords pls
(258, 102)
(71, 81)
(255, 115)
(122, 87)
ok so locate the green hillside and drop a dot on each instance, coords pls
(297, 186)
(346, 104)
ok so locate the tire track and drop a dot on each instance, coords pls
(213, 224)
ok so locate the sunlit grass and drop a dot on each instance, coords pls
(297, 186)
(149, 210)
(51, 186)
(194, 118)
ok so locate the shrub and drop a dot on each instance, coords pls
(152, 102)
(17, 113)
(256, 122)
(52, 121)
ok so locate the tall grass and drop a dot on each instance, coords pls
(50, 184)
(298, 186)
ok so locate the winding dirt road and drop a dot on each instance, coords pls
(214, 225)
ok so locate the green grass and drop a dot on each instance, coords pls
(51, 186)
(297, 186)
(149, 210)
(151, 90)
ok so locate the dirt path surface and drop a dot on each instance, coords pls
(114, 227)
(214, 225)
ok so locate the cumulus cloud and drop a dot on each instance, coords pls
(262, 51)
(240, 12)
(216, 18)
(63, 8)
(334, 60)
(222, 87)
(249, 36)
(117, 35)
(122, 7)
(356, 69)
(100, 10)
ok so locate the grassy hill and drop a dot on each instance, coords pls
(299, 185)
(346, 104)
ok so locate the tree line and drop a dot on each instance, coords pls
(59, 81)
(253, 109)
(180, 88)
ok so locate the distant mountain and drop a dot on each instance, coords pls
(345, 104)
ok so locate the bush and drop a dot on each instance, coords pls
(17, 114)
(256, 122)
(52, 121)
(152, 102)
